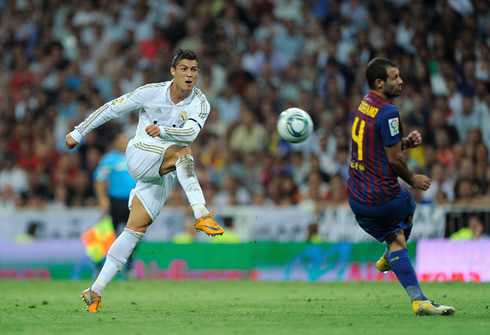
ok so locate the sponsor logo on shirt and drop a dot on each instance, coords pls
(118, 101)
(158, 110)
(357, 166)
(183, 116)
(394, 126)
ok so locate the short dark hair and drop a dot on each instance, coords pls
(376, 69)
(184, 54)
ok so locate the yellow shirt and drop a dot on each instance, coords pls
(462, 234)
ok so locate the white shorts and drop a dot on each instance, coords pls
(144, 159)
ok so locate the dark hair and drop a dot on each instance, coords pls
(184, 54)
(376, 69)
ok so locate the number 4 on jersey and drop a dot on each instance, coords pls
(358, 138)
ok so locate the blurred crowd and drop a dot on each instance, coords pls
(61, 60)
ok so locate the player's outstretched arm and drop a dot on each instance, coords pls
(399, 164)
(110, 110)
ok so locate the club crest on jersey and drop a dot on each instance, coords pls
(118, 101)
(183, 116)
(394, 126)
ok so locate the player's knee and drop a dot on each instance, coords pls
(396, 241)
(184, 151)
(139, 227)
(174, 153)
(183, 157)
(139, 221)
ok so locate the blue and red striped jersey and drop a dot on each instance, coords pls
(376, 125)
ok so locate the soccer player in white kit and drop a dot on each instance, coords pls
(171, 115)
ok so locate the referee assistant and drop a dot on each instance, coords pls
(113, 183)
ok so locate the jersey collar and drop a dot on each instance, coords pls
(373, 94)
(183, 102)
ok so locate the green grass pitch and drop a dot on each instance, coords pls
(200, 307)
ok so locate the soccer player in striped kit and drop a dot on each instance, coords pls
(383, 207)
(171, 115)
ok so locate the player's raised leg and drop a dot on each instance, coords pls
(180, 159)
(118, 254)
(404, 271)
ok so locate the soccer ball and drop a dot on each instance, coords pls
(294, 125)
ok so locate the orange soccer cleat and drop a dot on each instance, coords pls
(208, 225)
(92, 300)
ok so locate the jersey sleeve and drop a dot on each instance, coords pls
(110, 110)
(389, 126)
(200, 110)
(185, 135)
(195, 122)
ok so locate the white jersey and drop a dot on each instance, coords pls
(179, 123)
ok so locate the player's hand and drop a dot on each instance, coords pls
(70, 142)
(414, 139)
(421, 182)
(153, 130)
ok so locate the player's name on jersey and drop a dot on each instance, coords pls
(367, 109)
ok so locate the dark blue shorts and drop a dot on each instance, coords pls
(388, 218)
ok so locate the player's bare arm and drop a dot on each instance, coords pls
(413, 140)
(70, 142)
(399, 164)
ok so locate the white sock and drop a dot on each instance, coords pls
(199, 211)
(188, 180)
(117, 256)
(387, 253)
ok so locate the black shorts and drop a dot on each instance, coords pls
(119, 213)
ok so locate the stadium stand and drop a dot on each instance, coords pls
(60, 61)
